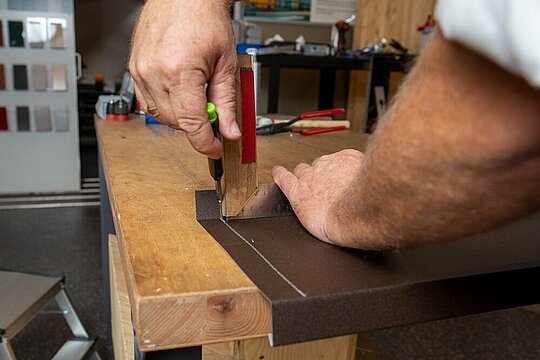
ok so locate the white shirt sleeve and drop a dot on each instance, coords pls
(505, 31)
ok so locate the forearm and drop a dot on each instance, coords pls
(457, 153)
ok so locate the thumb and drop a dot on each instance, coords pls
(222, 92)
(286, 181)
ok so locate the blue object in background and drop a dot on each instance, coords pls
(150, 120)
(242, 48)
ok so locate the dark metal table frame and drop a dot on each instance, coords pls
(379, 66)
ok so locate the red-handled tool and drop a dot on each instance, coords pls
(307, 132)
(285, 127)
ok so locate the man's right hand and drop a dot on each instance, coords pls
(178, 47)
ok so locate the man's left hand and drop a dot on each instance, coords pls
(315, 190)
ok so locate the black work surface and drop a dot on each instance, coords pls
(319, 290)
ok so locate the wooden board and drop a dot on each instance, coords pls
(338, 348)
(239, 178)
(375, 19)
(122, 327)
(184, 288)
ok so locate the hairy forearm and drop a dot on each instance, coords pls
(457, 153)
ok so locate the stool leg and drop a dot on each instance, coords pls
(6, 352)
(95, 356)
(70, 315)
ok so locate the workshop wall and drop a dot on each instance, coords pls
(103, 32)
(375, 19)
(299, 88)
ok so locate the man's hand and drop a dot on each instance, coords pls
(178, 46)
(314, 190)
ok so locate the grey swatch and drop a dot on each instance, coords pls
(61, 119)
(42, 118)
(39, 77)
(23, 118)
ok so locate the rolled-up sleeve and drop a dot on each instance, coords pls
(505, 31)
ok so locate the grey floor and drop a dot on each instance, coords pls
(66, 241)
(61, 241)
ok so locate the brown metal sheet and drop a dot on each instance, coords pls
(319, 290)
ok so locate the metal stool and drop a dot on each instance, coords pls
(22, 297)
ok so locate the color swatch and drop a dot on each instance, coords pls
(42, 118)
(15, 33)
(59, 78)
(2, 76)
(57, 30)
(20, 77)
(39, 77)
(61, 119)
(1, 34)
(3, 119)
(23, 118)
(36, 32)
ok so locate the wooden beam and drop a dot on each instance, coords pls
(337, 348)
(122, 327)
(239, 181)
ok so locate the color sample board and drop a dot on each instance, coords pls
(39, 141)
(319, 290)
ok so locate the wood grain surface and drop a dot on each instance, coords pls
(184, 288)
(122, 327)
(338, 348)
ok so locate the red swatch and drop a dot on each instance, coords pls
(3, 119)
(249, 140)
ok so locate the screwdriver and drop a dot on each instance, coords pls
(215, 166)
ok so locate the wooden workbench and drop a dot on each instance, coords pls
(184, 289)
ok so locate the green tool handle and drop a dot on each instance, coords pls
(215, 166)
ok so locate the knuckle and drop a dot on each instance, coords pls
(134, 71)
(171, 69)
(192, 125)
(144, 69)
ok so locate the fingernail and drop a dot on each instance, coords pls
(235, 130)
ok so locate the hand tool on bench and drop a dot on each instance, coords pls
(243, 196)
(215, 165)
(286, 126)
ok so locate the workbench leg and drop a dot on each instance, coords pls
(379, 75)
(327, 86)
(273, 88)
(107, 227)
